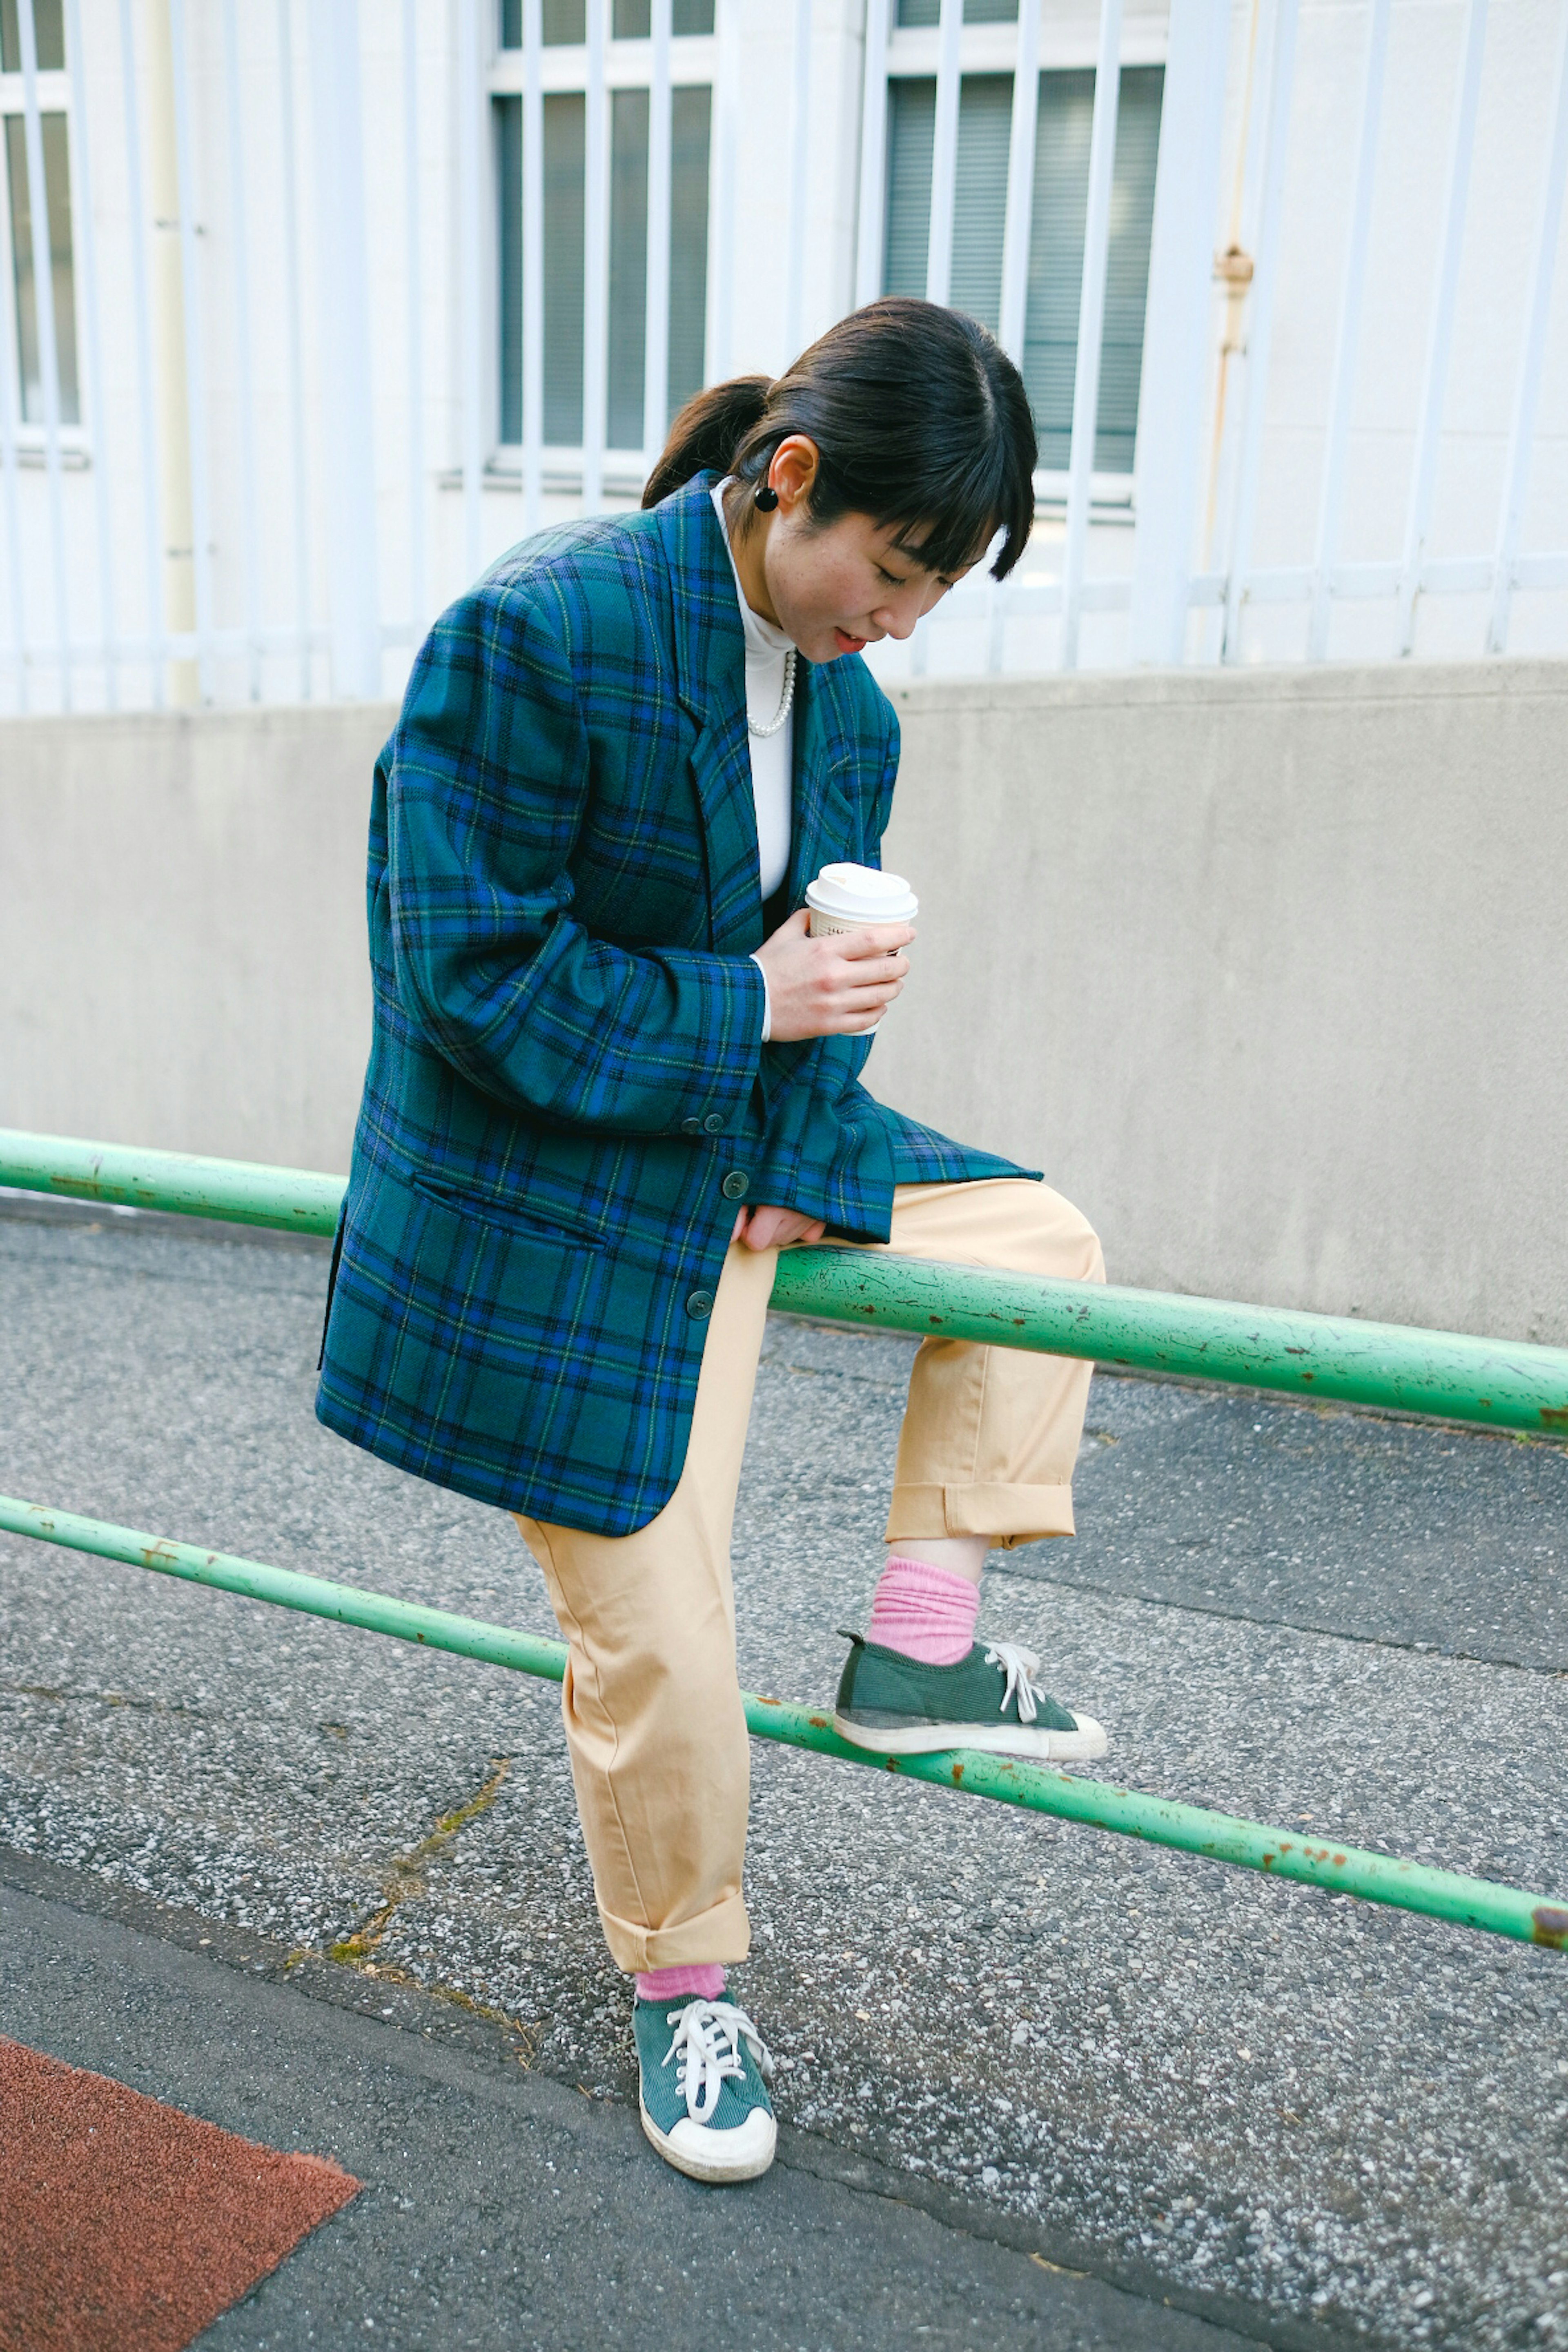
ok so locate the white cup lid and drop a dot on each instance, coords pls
(863, 894)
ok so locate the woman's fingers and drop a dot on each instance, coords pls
(875, 939)
(837, 985)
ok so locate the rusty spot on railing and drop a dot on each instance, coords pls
(1549, 1926)
(1554, 1416)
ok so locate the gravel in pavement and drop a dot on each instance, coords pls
(1306, 2113)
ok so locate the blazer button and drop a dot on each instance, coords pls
(735, 1185)
(714, 1123)
(699, 1304)
(691, 1127)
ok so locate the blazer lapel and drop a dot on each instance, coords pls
(711, 680)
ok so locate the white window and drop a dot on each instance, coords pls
(24, 357)
(1057, 211)
(628, 71)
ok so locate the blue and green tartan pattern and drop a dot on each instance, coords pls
(565, 1064)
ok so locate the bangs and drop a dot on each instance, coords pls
(948, 529)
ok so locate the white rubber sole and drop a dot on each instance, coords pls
(1029, 1741)
(716, 2158)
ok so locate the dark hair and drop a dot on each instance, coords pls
(919, 420)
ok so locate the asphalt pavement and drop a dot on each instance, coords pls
(1227, 2104)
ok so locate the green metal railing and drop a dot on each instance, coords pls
(1500, 1383)
(1222, 1837)
(1507, 1385)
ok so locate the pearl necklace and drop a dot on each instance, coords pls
(782, 713)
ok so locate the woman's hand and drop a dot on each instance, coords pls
(836, 986)
(764, 1228)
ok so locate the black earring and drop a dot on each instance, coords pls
(764, 499)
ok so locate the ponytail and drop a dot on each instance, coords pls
(919, 420)
(706, 433)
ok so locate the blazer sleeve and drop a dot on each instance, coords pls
(487, 778)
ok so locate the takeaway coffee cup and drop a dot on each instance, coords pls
(848, 898)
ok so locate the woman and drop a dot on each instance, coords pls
(612, 1075)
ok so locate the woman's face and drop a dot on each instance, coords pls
(834, 588)
(844, 585)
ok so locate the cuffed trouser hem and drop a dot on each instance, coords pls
(723, 1936)
(1008, 1514)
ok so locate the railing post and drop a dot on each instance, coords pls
(1531, 357)
(343, 313)
(49, 350)
(1347, 338)
(1091, 321)
(799, 149)
(944, 156)
(533, 266)
(596, 260)
(295, 345)
(94, 409)
(1435, 382)
(1176, 333)
(470, 329)
(655, 310)
(413, 233)
(869, 215)
(1260, 324)
(169, 352)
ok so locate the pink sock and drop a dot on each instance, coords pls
(923, 1612)
(703, 1980)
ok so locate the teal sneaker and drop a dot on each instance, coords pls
(702, 2097)
(896, 1706)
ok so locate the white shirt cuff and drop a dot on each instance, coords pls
(767, 1003)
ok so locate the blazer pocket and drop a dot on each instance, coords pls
(512, 1216)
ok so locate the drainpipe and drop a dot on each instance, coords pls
(343, 270)
(1232, 270)
(169, 353)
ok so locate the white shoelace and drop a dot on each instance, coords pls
(707, 2052)
(1020, 1665)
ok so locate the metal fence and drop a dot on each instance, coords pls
(251, 428)
(1319, 1356)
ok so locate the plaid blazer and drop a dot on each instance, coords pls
(567, 1093)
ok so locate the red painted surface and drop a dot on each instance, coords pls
(129, 2226)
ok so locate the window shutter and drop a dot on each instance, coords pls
(628, 266)
(565, 126)
(1127, 272)
(508, 116)
(975, 12)
(691, 109)
(911, 132)
(49, 36)
(58, 205)
(1055, 261)
(980, 196)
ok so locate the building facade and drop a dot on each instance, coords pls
(310, 310)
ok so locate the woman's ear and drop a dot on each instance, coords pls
(793, 470)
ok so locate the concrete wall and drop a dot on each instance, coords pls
(1267, 970)
(181, 914)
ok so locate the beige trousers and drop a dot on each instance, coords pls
(652, 1705)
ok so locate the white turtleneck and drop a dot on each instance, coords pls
(773, 756)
